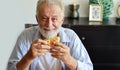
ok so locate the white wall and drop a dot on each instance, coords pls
(10, 26)
(15, 13)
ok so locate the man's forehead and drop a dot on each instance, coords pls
(49, 7)
(54, 10)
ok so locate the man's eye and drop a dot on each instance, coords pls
(54, 19)
(44, 19)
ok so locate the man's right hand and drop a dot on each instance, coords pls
(38, 48)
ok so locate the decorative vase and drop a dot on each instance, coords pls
(107, 7)
(74, 14)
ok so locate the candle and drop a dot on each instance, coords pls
(74, 4)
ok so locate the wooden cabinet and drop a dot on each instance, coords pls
(102, 43)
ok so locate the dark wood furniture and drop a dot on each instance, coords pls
(102, 44)
(101, 41)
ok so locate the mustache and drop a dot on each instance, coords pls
(49, 28)
(49, 34)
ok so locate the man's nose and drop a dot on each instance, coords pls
(49, 22)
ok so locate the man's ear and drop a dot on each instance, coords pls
(36, 18)
(63, 19)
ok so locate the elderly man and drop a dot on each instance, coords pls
(49, 46)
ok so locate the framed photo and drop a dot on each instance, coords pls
(118, 10)
(95, 12)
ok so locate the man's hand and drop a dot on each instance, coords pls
(38, 48)
(62, 52)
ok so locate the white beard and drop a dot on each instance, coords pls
(49, 34)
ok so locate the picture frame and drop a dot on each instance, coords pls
(95, 12)
(118, 10)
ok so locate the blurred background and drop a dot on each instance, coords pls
(14, 14)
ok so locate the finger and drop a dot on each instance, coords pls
(56, 52)
(42, 52)
(59, 44)
(35, 46)
(56, 56)
(44, 47)
(53, 51)
(40, 41)
(58, 49)
(37, 43)
(41, 46)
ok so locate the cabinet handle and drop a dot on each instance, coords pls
(83, 38)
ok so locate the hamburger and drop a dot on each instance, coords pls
(52, 40)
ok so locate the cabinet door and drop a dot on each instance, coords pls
(102, 44)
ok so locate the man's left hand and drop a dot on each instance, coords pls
(62, 52)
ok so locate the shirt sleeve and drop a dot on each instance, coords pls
(82, 56)
(19, 51)
(79, 52)
(83, 59)
(82, 66)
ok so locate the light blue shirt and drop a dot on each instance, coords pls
(46, 62)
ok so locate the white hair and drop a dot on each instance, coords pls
(50, 2)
